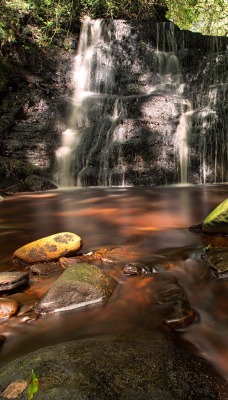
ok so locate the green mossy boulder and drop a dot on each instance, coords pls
(217, 220)
(78, 286)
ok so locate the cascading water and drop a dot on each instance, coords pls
(182, 140)
(172, 81)
(208, 144)
(140, 116)
(86, 85)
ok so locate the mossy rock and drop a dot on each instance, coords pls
(217, 221)
(35, 183)
(120, 369)
(79, 285)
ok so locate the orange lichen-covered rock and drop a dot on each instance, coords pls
(49, 248)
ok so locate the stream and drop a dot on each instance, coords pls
(149, 225)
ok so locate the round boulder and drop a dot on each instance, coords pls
(8, 307)
(50, 248)
(119, 369)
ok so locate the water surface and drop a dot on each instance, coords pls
(150, 225)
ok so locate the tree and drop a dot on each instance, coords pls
(210, 17)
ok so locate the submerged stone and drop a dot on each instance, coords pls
(25, 301)
(12, 279)
(49, 248)
(78, 286)
(217, 220)
(118, 368)
(174, 307)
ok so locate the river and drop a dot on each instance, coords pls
(148, 224)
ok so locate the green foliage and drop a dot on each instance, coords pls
(41, 20)
(33, 386)
(210, 17)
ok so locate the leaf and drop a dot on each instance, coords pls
(33, 386)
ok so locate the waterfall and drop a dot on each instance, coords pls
(182, 140)
(105, 174)
(145, 110)
(87, 85)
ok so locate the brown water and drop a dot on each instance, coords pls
(150, 225)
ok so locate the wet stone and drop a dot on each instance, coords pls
(26, 302)
(78, 286)
(126, 369)
(13, 279)
(136, 269)
(8, 307)
(50, 248)
(46, 269)
(174, 307)
(217, 260)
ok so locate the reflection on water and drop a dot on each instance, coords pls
(150, 224)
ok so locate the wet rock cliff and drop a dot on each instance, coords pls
(154, 113)
(35, 86)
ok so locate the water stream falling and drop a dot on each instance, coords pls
(136, 119)
(86, 85)
(182, 140)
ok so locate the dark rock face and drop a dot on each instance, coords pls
(33, 110)
(158, 115)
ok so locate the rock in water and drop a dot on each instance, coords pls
(217, 220)
(49, 248)
(175, 309)
(8, 307)
(78, 286)
(12, 279)
(116, 369)
(217, 259)
(136, 269)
